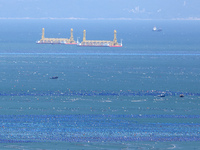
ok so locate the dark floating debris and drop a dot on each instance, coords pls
(181, 95)
(55, 77)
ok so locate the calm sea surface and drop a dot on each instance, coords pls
(104, 98)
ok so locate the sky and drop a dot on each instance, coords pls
(101, 9)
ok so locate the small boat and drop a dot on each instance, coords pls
(55, 77)
(161, 95)
(181, 95)
(155, 29)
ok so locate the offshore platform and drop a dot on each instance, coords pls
(44, 40)
(99, 43)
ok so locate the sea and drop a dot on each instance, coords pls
(105, 97)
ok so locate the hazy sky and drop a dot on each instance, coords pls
(135, 9)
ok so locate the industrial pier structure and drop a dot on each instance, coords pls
(44, 40)
(100, 43)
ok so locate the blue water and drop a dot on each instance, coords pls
(104, 98)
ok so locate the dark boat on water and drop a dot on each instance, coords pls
(55, 77)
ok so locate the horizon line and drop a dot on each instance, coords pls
(73, 18)
(106, 54)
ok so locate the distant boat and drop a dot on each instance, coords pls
(155, 29)
(181, 95)
(161, 95)
(55, 77)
